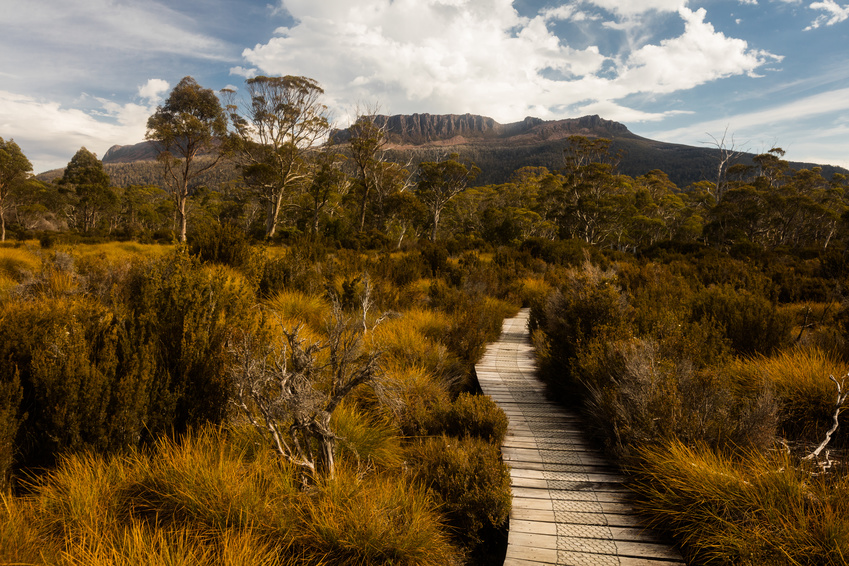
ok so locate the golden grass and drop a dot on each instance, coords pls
(217, 498)
(800, 378)
(751, 509)
(297, 307)
(112, 252)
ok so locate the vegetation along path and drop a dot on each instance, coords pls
(569, 505)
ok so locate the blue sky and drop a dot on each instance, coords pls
(762, 73)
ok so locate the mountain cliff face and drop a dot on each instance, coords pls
(454, 129)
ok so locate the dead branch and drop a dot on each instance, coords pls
(841, 398)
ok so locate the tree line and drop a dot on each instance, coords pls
(285, 178)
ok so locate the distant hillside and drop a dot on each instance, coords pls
(498, 149)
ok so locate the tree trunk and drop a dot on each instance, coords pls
(436, 213)
(2, 224)
(181, 214)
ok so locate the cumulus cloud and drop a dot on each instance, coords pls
(50, 134)
(700, 55)
(244, 72)
(153, 90)
(481, 56)
(639, 7)
(834, 13)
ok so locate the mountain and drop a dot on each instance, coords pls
(145, 151)
(498, 149)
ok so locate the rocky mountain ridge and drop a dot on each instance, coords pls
(405, 130)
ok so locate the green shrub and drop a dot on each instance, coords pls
(752, 323)
(82, 381)
(469, 481)
(469, 416)
(187, 313)
(588, 304)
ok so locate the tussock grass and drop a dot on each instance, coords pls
(800, 379)
(15, 263)
(405, 344)
(752, 509)
(218, 497)
(311, 310)
(380, 521)
(365, 439)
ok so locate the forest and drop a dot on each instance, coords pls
(280, 369)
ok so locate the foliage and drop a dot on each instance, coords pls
(471, 484)
(13, 169)
(752, 323)
(185, 127)
(281, 123)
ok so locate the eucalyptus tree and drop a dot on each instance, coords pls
(14, 167)
(441, 181)
(272, 135)
(378, 178)
(93, 197)
(187, 129)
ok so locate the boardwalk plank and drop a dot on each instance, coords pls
(569, 504)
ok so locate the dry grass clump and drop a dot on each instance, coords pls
(800, 379)
(298, 307)
(217, 498)
(752, 509)
(404, 344)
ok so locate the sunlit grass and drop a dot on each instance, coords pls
(800, 380)
(117, 251)
(209, 500)
(751, 509)
(296, 307)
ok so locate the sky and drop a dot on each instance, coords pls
(752, 74)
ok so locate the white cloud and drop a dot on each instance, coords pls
(700, 55)
(784, 125)
(634, 7)
(58, 132)
(834, 13)
(480, 56)
(244, 72)
(749, 2)
(153, 90)
(127, 25)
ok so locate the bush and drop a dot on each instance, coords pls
(638, 397)
(587, 305)
(469, 416)
(752, 323)
(226, 244)
(468, 480)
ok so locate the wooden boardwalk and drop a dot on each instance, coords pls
(569, 505)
